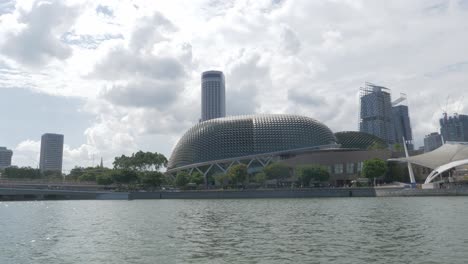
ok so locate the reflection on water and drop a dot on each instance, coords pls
(356, 230)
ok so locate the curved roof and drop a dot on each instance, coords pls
(359, 140)
(447, 153)
(240, 136)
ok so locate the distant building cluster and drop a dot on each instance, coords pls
(381, 117)
(51, 155)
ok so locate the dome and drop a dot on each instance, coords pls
(359, 140)
(239, 136)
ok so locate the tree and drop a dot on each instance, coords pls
(260, 178)
(182, 179)
(238, 173)
(87, 176)
(398, 147)
(104, 179)
(377, 146)
(141, 161)
(21, 173)
(307, 173)
(197, 178)
(124, 176)
(151, 179)
(276, 171)
(374, 168)
(222, 179)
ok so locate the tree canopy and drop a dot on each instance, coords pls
(307, 173)
(276, 171)
(237, 174)
(374, 168)
(141, 161)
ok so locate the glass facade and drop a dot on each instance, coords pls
(350, 168)
(358, 140)
(239, 136)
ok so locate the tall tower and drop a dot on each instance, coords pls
(51, 152)
(213, 95)
(376, 116)
(401, 122)
(5, 157)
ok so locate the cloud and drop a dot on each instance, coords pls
(122, 64)
(7, 6)
(38, 41)
(150, 94)
(104, 10)
(138, 69)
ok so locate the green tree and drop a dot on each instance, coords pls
(276, 171)
(377, 146)
(88, 176)
(182, 179)
(307, 173)
(237, 174)
(222, 179)
(124, 176)
(104, 179)
(260, 178)
(197, 178)
(21, 173)
(151, 179)
(398, 147)
(374, 168)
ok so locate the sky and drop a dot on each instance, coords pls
(116, 77)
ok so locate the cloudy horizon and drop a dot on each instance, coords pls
(116, 77)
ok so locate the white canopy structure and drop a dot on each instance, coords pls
(448, 156)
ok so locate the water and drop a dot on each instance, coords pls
(348, 230)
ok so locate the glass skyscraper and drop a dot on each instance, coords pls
(213, 95)
(51, 152)
(376, 117)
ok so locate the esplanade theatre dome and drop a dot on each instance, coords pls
(239, 136)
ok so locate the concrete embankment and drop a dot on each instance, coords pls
(35, 194)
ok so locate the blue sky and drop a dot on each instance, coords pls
(119, 76)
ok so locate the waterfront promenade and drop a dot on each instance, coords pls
(9, 194)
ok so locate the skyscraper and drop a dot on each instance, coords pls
(51, 152)
(213, 95)
(401, 122)
(432, 141)
(5, 157)
(376, 116)
(454, 128)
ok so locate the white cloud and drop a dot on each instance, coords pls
(138, 63)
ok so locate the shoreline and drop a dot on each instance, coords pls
(7, 194)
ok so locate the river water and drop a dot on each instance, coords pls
(335, 230)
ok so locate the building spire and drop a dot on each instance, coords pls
(102, 164)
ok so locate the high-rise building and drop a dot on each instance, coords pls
(213, 95)
(5, 157)
(376, 117)
(454, 128)
(401, 122)
(432, 141)
(51, 152)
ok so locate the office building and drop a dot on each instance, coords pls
(51, 152)
(402, 125)
(5, 157)
(454, 128)
(376, 115)
(213, 95)
(432, 141)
